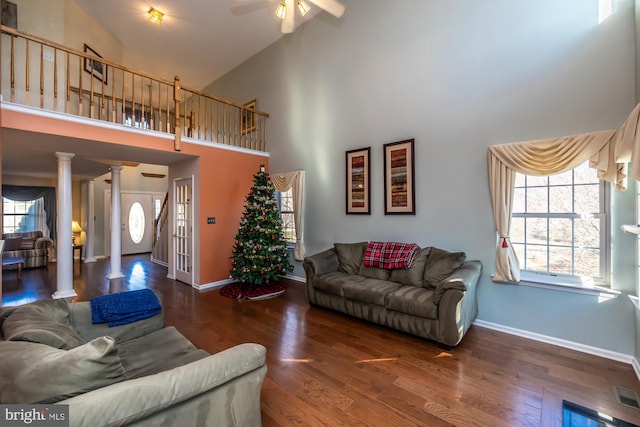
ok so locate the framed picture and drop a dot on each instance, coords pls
(399, 189)
(247, 118)
(95, 68)
(358, 181)
(9, 14)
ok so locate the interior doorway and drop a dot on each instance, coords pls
(183, 229)
(137, 216)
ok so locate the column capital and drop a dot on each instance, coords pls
(64, 156)
(115, 168)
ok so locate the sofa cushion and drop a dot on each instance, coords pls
(158, 351)
(44, 322)
(413, 276)
(27, 244)
(12, 243)
(38, 373)
(413, 300)
(371, 291)
(440, 264)
(374, 272)
(333, 283)
(350, 256)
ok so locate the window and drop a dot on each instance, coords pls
(23, 216)
(559, 226)
(286, 214)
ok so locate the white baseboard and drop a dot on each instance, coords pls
(636, 367)
(295, 278)
(170, 276)
(607, 354)
(213, 285)
(157, 261)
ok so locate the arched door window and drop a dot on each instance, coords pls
(136, 222)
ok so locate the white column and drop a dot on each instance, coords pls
(64, 252)
(116, 225)
(90, 227)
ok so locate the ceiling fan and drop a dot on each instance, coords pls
(286, 10)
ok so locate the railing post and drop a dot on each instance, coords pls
(176, 97)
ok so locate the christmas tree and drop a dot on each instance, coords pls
(260, 252)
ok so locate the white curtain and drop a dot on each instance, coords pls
(39, 217)
(295, 181)
(607, 151)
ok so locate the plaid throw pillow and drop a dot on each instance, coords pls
(390, 255)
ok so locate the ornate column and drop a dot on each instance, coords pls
(64, 252)
(90, 227)
(116, 227)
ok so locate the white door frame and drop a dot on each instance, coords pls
(185, 277)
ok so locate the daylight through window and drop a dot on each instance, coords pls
(19, 216)
(286, 213)
(559, 224)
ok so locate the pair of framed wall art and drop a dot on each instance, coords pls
(399, 189)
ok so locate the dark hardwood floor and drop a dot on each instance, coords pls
(328, 369)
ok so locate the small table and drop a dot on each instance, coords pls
(19, 261)
(74, 251)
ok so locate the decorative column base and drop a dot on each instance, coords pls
(88, 260)
(115, 276)
(64, 294)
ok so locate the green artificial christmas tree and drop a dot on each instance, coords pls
(260, 252)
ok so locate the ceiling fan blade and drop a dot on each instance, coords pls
(289, 21)
(334, 7)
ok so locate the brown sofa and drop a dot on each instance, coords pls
(435, 298)
(30, 245)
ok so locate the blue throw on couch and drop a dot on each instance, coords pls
(124, 307)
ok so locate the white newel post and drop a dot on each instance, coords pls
(90, 227)
(116, 225)
(64, 252)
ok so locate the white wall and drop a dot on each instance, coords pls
(457, 76)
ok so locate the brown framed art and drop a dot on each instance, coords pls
(399, 189)
(248, 118)
(358, 181)
(95, 68)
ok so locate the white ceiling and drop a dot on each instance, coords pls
(199, 40)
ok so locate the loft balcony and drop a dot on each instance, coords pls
(41, 75)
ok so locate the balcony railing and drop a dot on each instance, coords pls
(44, 74)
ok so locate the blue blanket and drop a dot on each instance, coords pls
(124, 307)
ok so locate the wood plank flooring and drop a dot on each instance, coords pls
(328, 369)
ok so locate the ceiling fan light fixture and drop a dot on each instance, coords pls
(155, 15)
(303, 7)
(281, 11)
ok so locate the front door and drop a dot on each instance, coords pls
(136, 215)
(183, 230)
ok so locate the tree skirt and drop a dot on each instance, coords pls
(252, 292)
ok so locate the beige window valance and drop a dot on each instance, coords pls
(609, 151)
(295, 181)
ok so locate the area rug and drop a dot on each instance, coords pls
(252, 292)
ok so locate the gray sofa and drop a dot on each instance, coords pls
(141, 373)
(435, 298)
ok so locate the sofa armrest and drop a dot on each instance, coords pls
(322, 263)
(80, 319)
(43, 243)
(134, 400)
(461, 279)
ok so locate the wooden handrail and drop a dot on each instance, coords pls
(213, 118)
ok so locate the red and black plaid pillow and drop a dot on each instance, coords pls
(390, 255)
